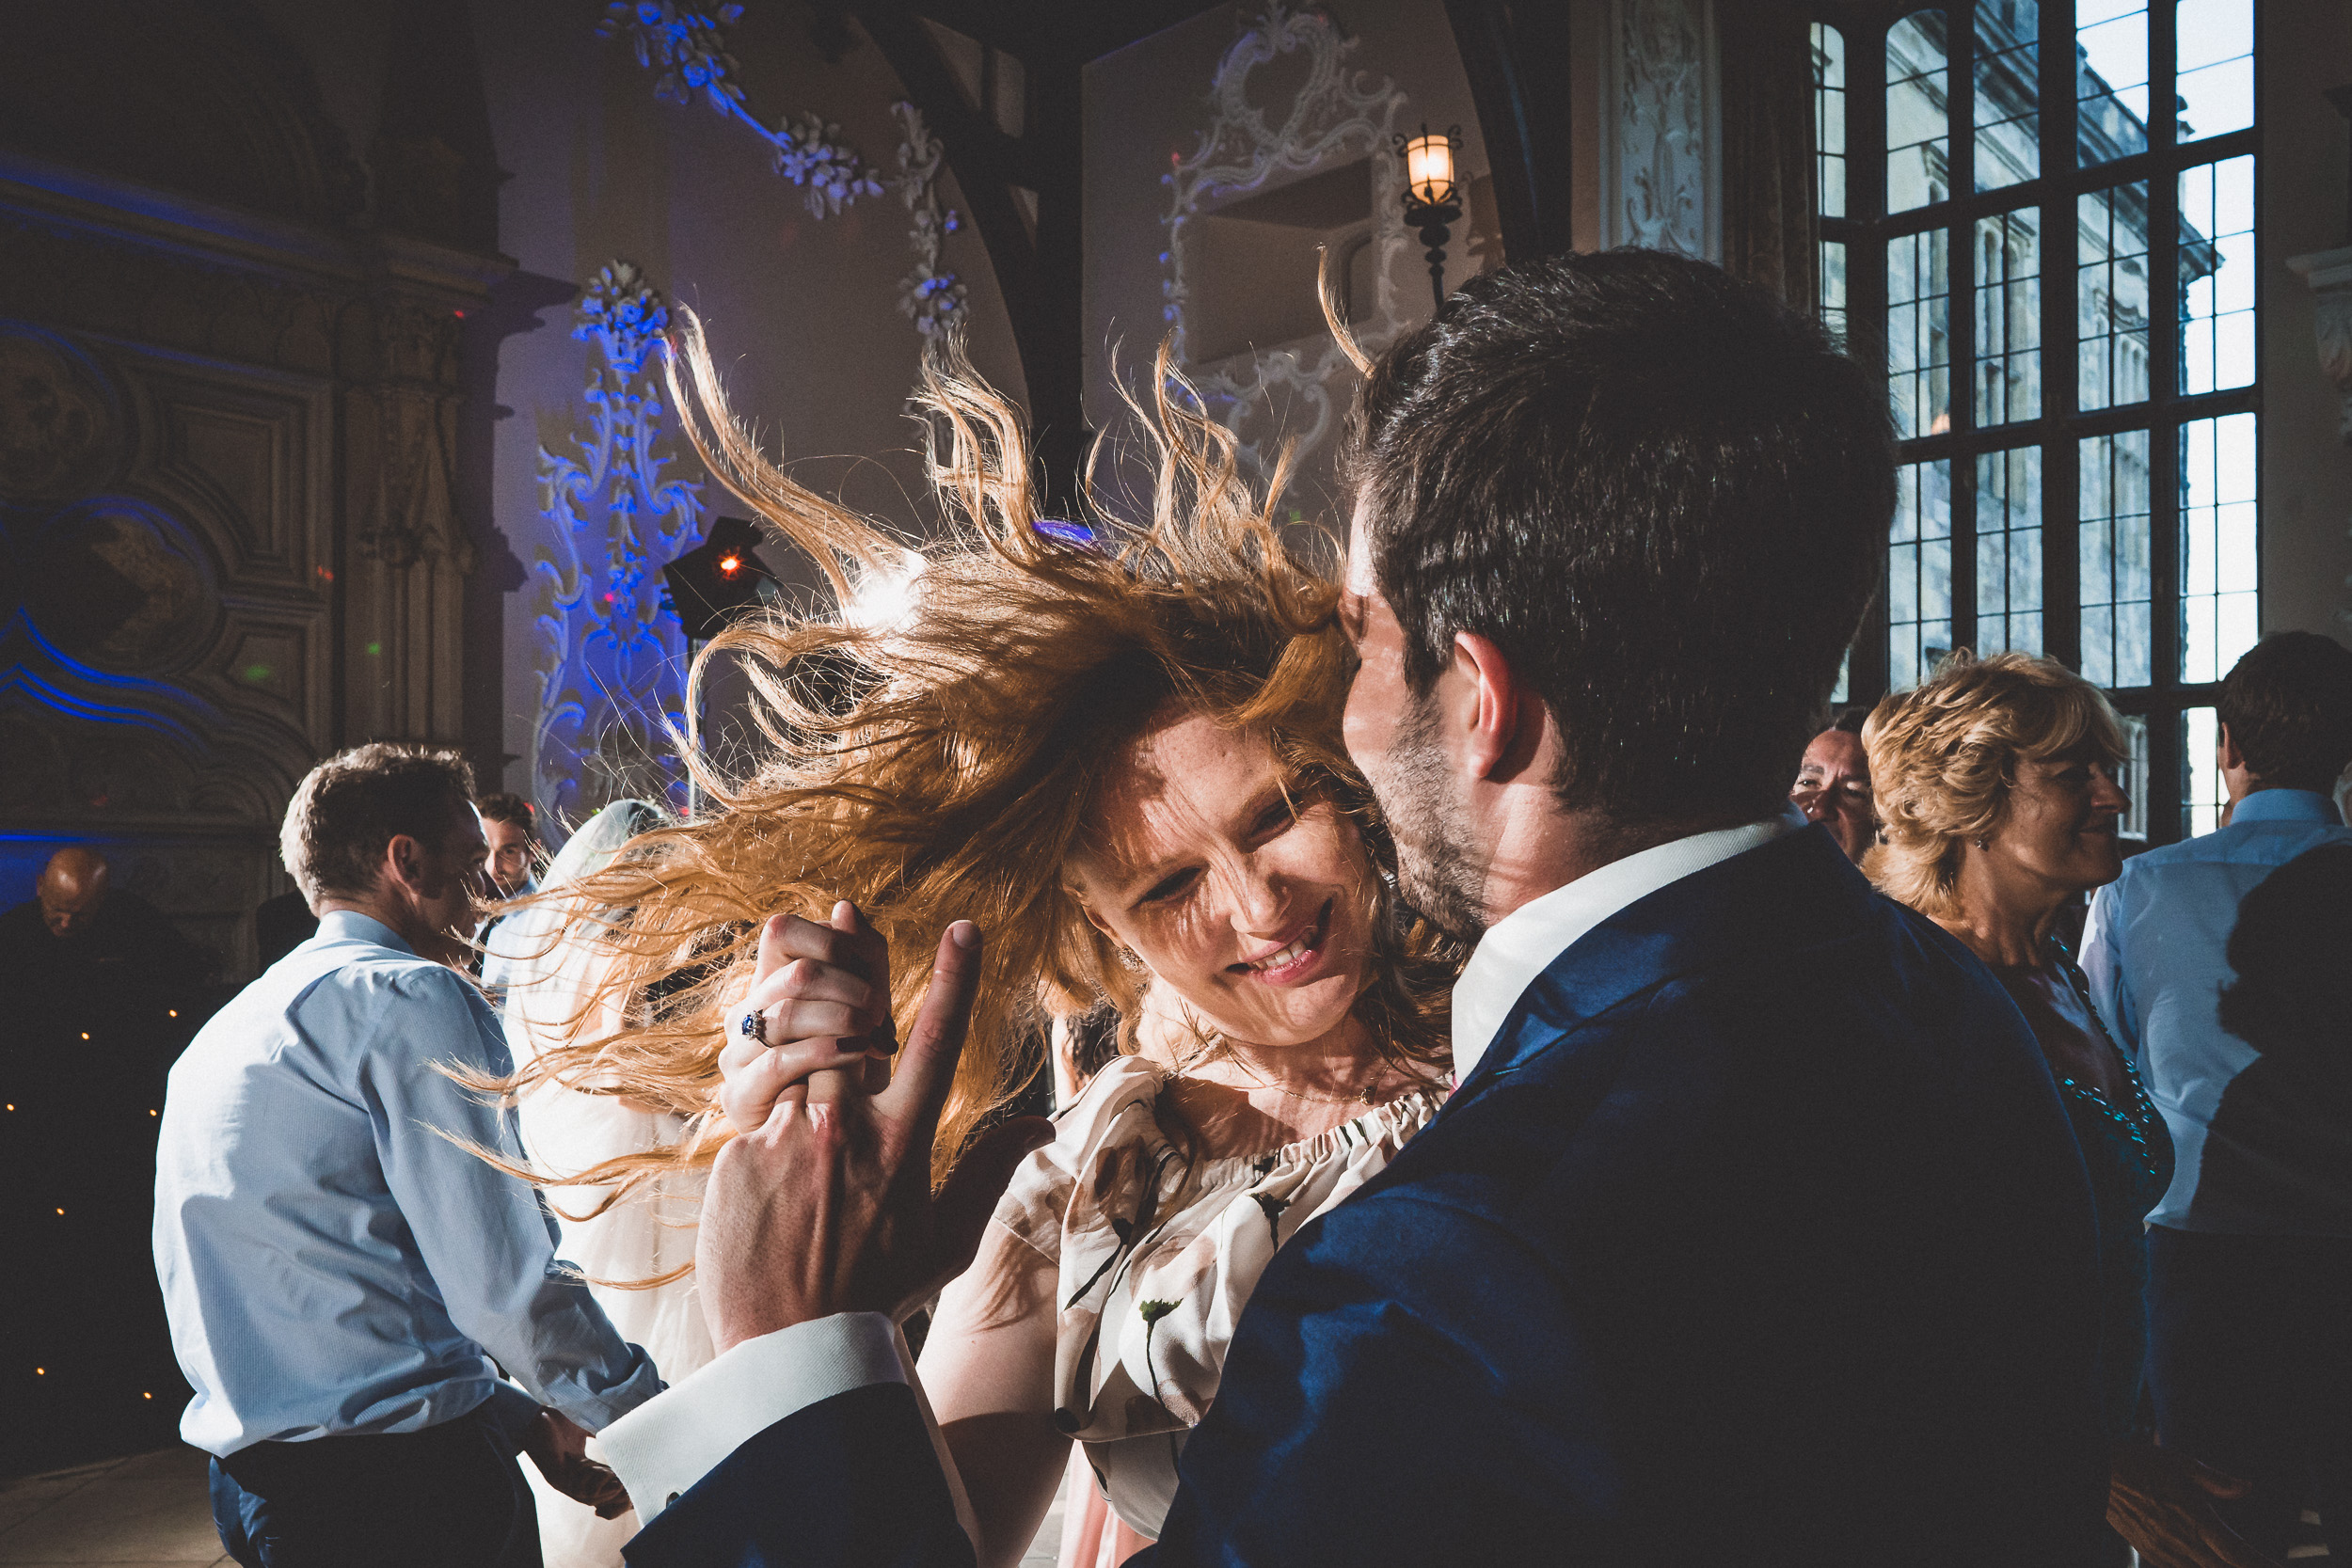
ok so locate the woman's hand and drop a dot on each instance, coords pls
(2161, 1501)
(823, 994)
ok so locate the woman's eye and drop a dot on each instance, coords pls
(1274, 819)
(1169, 887)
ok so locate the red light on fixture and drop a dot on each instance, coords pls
(730, 564)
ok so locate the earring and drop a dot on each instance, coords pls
(1981, 845)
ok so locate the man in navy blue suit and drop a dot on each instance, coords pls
(1755, 1232)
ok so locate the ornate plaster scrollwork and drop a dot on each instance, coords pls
(1291, 392)
(609, 666)
(930, 297)
(686, 46)
(689, 50)
(2330, 274)
(1660, 150)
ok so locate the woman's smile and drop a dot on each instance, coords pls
(1297, 959)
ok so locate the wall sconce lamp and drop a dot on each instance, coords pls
(1432, 194)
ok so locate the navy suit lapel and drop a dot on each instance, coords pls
(1754, 900)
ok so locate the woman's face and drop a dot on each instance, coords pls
(1261, 921)
(2060, 827)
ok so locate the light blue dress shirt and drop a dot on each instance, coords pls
(2156, 950)
(331, 1261)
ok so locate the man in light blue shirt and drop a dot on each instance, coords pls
(344, 1281)
(2210, 961)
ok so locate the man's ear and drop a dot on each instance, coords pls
(403, 863)
(2231, 759)
(1503, 717)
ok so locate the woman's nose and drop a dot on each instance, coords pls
(1260, 903)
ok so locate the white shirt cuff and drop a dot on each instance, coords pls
(672, 1440)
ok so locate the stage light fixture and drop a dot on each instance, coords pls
(1432, 194)
(718, 580)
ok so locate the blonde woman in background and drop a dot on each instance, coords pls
(1997, 798)
(549, 970)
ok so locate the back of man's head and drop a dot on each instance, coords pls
(2288, 707)
(350, 807)
(1660, 492)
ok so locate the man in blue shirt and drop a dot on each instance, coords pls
(344, 1277)
(2211, 962)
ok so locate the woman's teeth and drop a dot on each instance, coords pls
(1288, 954)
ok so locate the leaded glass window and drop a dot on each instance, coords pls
(2061, 281)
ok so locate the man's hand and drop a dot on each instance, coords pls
(560, 1450)
(2161, 1501)
(823, 1203)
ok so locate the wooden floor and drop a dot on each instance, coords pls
(152, 1509)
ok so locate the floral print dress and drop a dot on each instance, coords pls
(1147, 1300)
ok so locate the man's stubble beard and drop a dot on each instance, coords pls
(1437, 869)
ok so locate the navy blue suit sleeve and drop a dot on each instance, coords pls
(851, 1482)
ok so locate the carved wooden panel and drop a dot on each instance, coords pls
(168, 517)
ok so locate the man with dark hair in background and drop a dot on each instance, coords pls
(338, 1271)
(2215, 979)
(1754, 1232)
(510, 827)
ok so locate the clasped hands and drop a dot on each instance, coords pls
(822, 1203)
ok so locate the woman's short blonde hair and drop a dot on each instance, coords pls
(1944, 757)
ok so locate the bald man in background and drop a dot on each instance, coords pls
(98, 993)
(79, 930)
(1833, 787)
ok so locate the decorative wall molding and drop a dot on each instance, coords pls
(687, 48)
(1660, 160)
(930, 297)
(611, 661)
(1292, 392)
(690, 51)
(2330, 274)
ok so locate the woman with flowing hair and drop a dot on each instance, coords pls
(1116, 751)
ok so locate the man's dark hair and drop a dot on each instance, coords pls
(2288, 705)
(509, 807)
(1851, 719)
(350, 806)
(1662, 493)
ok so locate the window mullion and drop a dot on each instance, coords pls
(1866, 284)
(1959, 312)
(2061, 479)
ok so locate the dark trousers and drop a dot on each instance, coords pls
(2250, 1365)
(451, 1495)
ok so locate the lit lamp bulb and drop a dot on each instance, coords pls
(1429, 168)
(1432, 192)
(730, 564)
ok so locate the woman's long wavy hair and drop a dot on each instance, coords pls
(941, 764)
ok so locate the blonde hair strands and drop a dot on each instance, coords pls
(1943, 758)
(942, 767)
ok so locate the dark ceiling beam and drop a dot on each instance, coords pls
(1039, 270)
(1515, 53)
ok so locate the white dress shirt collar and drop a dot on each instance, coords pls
(1523, 944)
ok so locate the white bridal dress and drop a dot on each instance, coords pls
(544, 977)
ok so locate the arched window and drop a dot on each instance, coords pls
(1999, 204)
